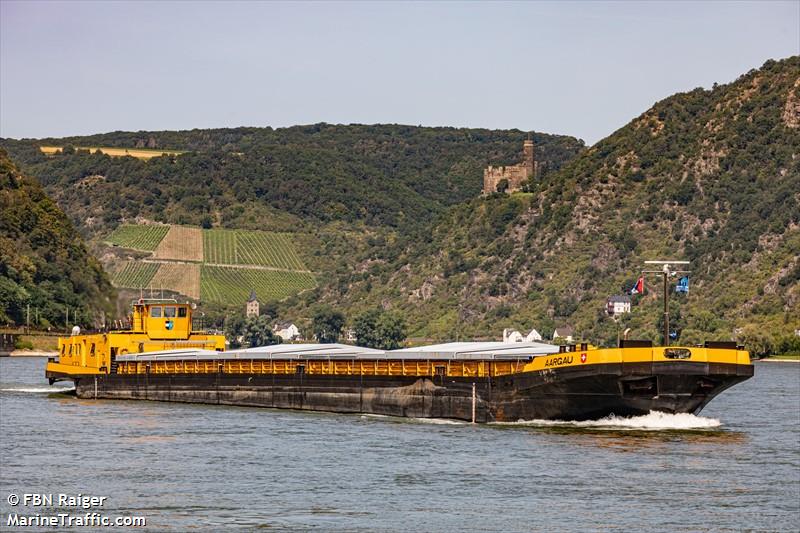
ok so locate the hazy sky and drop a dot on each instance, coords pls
(577, 68)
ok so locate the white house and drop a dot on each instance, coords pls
(533, 336)
(617, 305)
(286, 331)
(512, 335)
(564, 333)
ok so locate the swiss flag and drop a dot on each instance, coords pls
(583, 358)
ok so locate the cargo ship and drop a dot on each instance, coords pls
(161, 358)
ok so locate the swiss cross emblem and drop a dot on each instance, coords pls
(583, 358)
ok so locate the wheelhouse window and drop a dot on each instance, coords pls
(155, 311)
(181, 312)
(169, 311)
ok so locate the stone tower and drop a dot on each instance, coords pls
(252, 307)
(528, 160)
(514, 175)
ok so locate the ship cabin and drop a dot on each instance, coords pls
(156, 325)
(162, 319)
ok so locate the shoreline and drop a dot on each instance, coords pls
(31, 353)
(778, 360)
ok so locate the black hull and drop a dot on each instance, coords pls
(572, 393)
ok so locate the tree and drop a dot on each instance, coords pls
(270, 310)
(365, 327)
(379, 329)
(759, 344)
(392, 330)
(257, 332)
(234, 328)
(327, 325)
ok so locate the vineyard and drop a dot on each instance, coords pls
(233, 285)
(181, 243)
(138, 237)
(237, 247)
(135, 275)
(178, 277)
(216, 265)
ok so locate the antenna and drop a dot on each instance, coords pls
(666, 271)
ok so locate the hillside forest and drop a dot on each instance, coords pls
(390, 217)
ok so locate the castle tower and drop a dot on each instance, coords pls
(252, 307)
(514, 176)
(528, 160)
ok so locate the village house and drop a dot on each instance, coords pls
(512, 335)
(287, 331)
(617, 305)
(564, 333)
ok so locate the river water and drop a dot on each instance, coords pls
(211, 468)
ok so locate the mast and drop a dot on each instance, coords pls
(666, 271)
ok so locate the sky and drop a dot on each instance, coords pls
(576, 68)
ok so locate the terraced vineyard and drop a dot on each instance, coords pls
(181, 243)
(178, 277)
(239, 247)
(216, 265)
(233, 285)
(138, 237)
(135, 275)
(219, 246)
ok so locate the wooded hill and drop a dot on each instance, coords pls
(43, 261)
(280, 179)
(712, 176)
(338, 189)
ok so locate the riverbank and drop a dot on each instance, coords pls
(782, 359)
(33, 353)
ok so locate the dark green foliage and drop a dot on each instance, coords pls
(327, 325)
(376, 328)
(43, 261)
(257, 331)
(386, 175)
(233, 329)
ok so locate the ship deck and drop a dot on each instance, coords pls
(453, 351)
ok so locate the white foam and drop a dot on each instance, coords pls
(38, 389)
(653, 421)
(440, 421)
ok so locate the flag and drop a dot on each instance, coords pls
(638, 287)
(683, 285)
